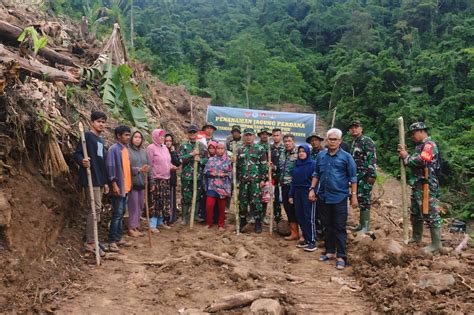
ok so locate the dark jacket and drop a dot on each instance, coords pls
(97, 154)
(303, 172)
(176, 162)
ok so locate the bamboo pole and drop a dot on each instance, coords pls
(403, 179)
(195, 175)
(270, 203)
(147, 210)
(91, 196)
(234, 179)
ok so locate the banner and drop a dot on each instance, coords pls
(300, 125)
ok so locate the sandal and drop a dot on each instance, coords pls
(113, 248)
(91, 249)
(123, 243)
(340, 264)
(325, 257)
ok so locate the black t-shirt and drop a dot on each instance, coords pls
(97, 154)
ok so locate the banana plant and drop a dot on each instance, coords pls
(38, 42)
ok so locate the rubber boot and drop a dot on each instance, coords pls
(243, 223)
(364, 221)
(358, 227)
(417, 233)
(435, 240)
(258, 226)
(294, 233)
(186, 214)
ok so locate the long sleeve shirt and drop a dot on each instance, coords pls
(119, 168)
(334, 173)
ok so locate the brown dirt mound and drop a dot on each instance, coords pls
(392, 274)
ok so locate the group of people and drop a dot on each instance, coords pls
(312, 182)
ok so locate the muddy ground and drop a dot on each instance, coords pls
(172, 277)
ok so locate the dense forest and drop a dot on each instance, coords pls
(373, 60)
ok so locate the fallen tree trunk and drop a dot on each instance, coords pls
(35, 68)
(244, 299)
(10, 33)
(255, 273)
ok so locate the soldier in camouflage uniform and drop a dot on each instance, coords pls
(277, 149)
(426, 155)
(364, 154)
(264, 142)
(188, 155)
(235, 136)
(252, 173)
(315, 140)
(286, 166)
(209, 129)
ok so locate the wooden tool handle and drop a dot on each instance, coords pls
(426, 193)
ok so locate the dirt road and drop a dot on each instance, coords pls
(120, 286)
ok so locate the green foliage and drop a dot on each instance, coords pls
(38, 42)
(373, 60)
(122, 95)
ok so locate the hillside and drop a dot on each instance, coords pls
(372, 60)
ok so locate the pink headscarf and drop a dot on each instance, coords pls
(159, 156)
(156, 135)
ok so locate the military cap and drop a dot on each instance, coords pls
(249, 131)
(419, 125)
(314, 135)
(355, 123)
(236, 128)
(209, 124)
(264, 130)
(192, 128)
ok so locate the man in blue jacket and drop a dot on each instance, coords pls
(334, 170)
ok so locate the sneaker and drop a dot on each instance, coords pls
(302, 244)
(266, 221)
(310, 248)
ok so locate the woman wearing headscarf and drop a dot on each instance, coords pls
(211, 151)
(161, 166)
(218, 172)
(305, 210)
(136, 197)
(169, 142)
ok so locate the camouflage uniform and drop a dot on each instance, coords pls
(229, 142)
(277, 151)
(287, 163)
(251, 170)
(363, 152)
(187, 162)
(314, 153)
(426, 154)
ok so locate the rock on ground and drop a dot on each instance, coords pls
(436, 282)
(266, 306)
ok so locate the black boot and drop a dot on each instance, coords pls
(258, 226)
(243, 223)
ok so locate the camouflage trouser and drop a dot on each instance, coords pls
(364, 193)
(187, 198)
(249, 195)
(432, 219)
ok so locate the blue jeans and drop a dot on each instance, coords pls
(116, 223)
(334, 220)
